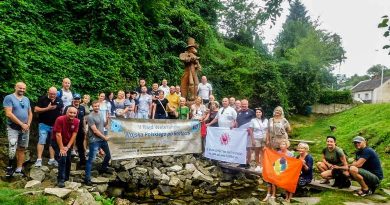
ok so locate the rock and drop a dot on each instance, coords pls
(171, 174)
(72, 185)
(197, 175)
(155, 192)
(307, 200)
(165, 179)
(204, 171)
(378, 197)
(32, 184)
(225, 184)
(101, 188)
(119, 201)
(250, 201)
(234, 202)
(167, 160)
(387, 191)
(156, 172)
(165, 190)
(188, 185)
(177, 202)
(190, 167)
(129, 164)
(175, 168)
(85, 198)
(53, 173)
(222, 190)
(45, 169)
(124, 176)
(73, 167)
(174, 181)
(158, 197)
(37, 174)
(59, 192)
(115, 191)
(77, 173)
(100, 180)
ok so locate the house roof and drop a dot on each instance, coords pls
(367, 85)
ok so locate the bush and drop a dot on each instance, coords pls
(333, 96)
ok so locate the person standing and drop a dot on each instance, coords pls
(79, 142)
(144, 104)
(64, 93)
(244, 117)
(97, 140)
(104, 110)
(159, 105)
(64, 134)
(142, 83)
(164, 87)
(205, 90)
(19, 116)
(226, 116)
(182, 112)
(366, 169)
(278, 128)
(49, 107)
(258, 127)
(173, 102)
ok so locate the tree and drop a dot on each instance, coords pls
(376, 70)
(385, 24)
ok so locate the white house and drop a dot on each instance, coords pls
(371, 91)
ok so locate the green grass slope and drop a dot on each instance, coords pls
(372, 121)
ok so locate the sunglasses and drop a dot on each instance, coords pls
(21, 104)
(356, 142)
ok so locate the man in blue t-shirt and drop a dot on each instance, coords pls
(366, 169)
(19, 116)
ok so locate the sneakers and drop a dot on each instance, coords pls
(10, 172)
(73, 153)
(18, 174)
(38, 163)
(258, 169)
(88, 182)
(363, 193)
(61, 184)
(53, 162)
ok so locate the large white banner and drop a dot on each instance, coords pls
(132, 138)
(225, 144)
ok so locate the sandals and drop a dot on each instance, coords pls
(362, 193)
(325, 181)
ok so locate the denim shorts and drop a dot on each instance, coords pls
(45, 131)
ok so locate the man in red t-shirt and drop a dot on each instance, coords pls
(64, 134)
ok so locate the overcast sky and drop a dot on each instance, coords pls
(356, 22)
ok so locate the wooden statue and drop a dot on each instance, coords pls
(189, 80)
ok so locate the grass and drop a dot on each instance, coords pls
(371, 121)
(12, 196)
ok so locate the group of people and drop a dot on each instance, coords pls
(68, 123)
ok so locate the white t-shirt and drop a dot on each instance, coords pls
(204, 90)
(165, 89)
(67, 97)
(226, 116)
(259, 127)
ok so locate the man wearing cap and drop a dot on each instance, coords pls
(79, 142)
(49, 107)
(366, 169)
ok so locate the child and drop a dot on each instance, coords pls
(271, 188)
(182, 112)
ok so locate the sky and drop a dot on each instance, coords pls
(356, 21)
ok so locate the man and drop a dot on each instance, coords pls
(64, 134)
(237, 105)
(164, 87)
(232, 102)
(244, 117)
(49, 107)
(97, 140)
(79, 142)
(205, 90)
(142, 83)
(366, 169)
(64, 93)
(226, 116)
(144, 104)
(173, 102)
(19, 116)
(154, 91)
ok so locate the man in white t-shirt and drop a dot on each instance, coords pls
(64, 93)
(226, 116)
(205, 90)
(164, 87)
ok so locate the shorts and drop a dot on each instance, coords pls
(45, 132)
(17, 136)
(369, 178)
(259, 142)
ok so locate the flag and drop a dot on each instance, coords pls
(281, 170)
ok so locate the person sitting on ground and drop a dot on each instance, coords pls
(307, 167)
(366, 169)
(182, 112)
(271, 188)
(333, 157)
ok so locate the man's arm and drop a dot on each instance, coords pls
(359, 163)
(14, 119)
(98, 133)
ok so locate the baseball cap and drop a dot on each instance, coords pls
(77, 96)
(359, 139)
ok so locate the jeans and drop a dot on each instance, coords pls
(80, 146)
(143, 114)
(93, 150)
(64, 162)
(45, 132)
(160, 116)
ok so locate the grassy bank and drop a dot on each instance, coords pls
(371, 121)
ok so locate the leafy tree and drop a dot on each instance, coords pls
(355, 79)
(385, 25)
(376, 70)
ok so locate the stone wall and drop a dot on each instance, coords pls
(330, 109)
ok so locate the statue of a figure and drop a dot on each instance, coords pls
(189, 80)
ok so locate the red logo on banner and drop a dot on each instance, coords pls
(225, 138)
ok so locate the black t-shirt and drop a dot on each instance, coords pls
(372, 163)
(138, 90)
(244, 117)
(49, 117)
(80, 115)
(159, 108)
(154, 93)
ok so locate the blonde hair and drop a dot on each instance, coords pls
(285, 141)
(304, 146)
(281, 111)
(181, 98)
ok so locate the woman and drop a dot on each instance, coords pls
(211, 100)
(333, 158)
(198, 110)
(258, 129)
(159, 107)
(212, 113)
(110, 99)
(85, 103)
(278, 127)
(122, 105)
(104, 110)
(307, 168)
